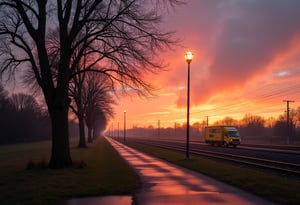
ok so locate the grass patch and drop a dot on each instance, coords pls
(280, 190)
(23, 182)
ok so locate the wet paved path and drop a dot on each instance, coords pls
(166, 184)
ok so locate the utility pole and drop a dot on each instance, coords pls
(158, 127)
(207, 120)
(124, 137)
(288, 120)
(118, 130)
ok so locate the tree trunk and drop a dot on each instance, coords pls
(82, 142)
(90, 140)
(78, 80)
(60, 154)
(96, 133)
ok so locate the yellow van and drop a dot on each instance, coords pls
(222, 136)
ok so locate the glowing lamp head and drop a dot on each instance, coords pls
(188, 56)
(124, 111)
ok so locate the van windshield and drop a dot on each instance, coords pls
(233, 134)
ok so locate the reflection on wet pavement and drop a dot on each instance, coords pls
(165, 183)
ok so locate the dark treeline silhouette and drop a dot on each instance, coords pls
(23, 120)
(252, 128)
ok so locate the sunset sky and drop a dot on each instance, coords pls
(246, 60)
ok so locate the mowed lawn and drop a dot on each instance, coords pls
(106, 173)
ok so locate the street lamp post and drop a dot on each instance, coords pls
(188, 58)
(118, 130)
(124, 126)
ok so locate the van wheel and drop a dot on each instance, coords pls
(225, 144)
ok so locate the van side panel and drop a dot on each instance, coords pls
(222, 135)
(214, 135)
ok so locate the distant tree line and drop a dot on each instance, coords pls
(22, 119)
(257, 128)
(252, 128)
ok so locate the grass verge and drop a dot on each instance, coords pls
(106, 174)
(280, 190)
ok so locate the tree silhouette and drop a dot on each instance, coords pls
(6, 117)
(98, 101)
(228, 121)
(99, 124)
(91, 102)
(21, 119)
(4, 102)
(22, 102)
(121, 36)
(77, 105)
(28, 117)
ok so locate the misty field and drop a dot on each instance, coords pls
(25, 179)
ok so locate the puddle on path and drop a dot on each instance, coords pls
(105, 200)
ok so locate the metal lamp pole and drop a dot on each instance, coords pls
(124, 126)
(188, 58)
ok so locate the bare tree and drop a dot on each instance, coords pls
(279, 129)
(4, 102)
(22, 119)
(99, 123)
(23, 102)
(91, 102)
(295, 117)
(97, 100)
(77, 105)
(253, 124)
(121, 35)
(253, 121)
(228, 121)
(6, 116)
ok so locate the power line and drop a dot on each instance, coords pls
(260, 98)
